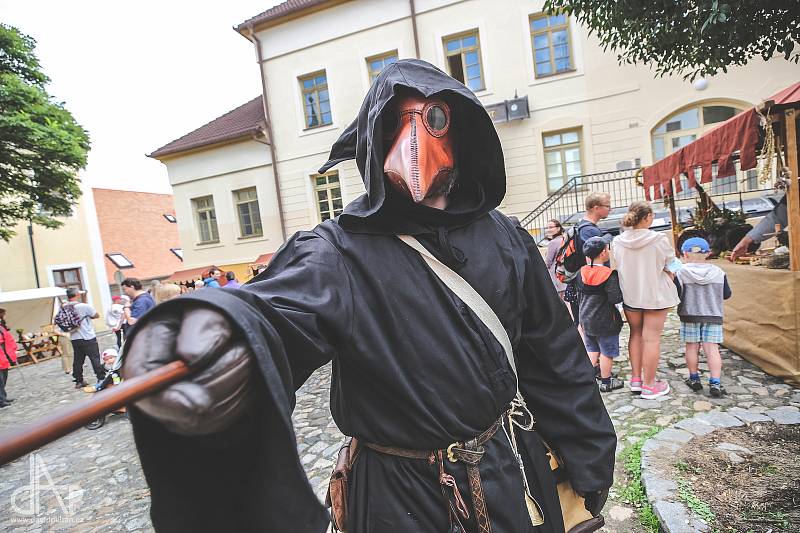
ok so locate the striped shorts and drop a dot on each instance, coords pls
(701, 332)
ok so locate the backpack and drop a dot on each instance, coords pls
(67, 318)
(570, 258)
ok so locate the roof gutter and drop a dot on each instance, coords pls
(268, 126)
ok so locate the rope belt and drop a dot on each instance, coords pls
(470, 453)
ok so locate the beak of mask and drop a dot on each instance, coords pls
(419, 162)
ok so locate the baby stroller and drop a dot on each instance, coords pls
(112, 361)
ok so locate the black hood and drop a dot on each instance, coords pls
(481, 182)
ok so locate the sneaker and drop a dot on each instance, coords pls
(661, 388)
(614, 385)
(81, 384)
(693, 384)
(716, 390)
(635, 385)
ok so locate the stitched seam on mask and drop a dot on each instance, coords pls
(414, 158)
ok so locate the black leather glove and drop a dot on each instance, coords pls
(222, 389)
(595, 501)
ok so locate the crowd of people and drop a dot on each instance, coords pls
(213, 278)
(638, 274)
(77, 337)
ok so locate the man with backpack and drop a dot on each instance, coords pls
(75, 318)
(570, 258)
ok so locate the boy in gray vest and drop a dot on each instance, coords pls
(702, 288)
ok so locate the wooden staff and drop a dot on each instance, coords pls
(22, 441)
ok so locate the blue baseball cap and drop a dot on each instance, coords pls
(695, 245)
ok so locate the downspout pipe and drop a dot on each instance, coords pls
(414, 27)
(33, 254)
(270, 136)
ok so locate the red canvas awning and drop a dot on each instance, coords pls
(263, 259)
(737, 134)
(788, 96)
(190, 274)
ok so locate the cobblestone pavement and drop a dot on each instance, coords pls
(97, 473)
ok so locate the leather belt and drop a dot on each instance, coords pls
(470, 453)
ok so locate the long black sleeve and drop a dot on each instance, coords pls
(613, 290)
(558, 383)
(249, 477)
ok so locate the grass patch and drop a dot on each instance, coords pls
(632, 491)
(698, 506)
(776, 518)
(769, 470)
(685, 468)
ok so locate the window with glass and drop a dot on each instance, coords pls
(377, 63)
(464, 59)
(206, 217)
(550, 39)
(562, 157)
(328, 192)
(70, 278)
(246, 201)
(683, 127)
(316, 100)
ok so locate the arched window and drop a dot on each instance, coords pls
(689, 124)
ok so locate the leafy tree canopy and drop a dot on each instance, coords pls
(41, 146)
(690, 37)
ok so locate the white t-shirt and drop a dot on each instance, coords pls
(85, 330)
(114, 316)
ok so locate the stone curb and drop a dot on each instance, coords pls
(662, 489)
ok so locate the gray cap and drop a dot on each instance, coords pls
(594, 246)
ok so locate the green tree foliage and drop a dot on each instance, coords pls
(690, 37)
(41, 146)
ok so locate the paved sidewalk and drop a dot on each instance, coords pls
(109, 492)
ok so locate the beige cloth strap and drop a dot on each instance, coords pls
(469, 296)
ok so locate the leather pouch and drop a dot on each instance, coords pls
(336, 499)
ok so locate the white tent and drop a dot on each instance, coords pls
(31, 309)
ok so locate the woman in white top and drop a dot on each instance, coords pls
(643, 258)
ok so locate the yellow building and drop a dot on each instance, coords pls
(585, 112)
(69, 256)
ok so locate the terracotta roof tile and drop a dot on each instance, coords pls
(243, 121)
(133, 224)
(281, 10)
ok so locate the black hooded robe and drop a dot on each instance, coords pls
(413, 367)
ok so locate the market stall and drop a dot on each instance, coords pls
(762, 319)
(29, 314)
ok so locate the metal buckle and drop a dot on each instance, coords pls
(450, 455)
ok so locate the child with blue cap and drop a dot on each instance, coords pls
(702, 287)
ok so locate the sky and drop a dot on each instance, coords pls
(138, 75)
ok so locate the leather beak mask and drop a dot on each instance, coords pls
(419, 162)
